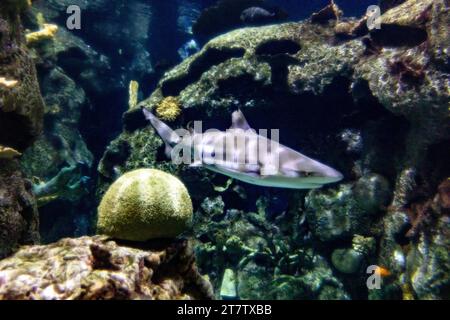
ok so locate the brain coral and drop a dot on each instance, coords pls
(145, 204)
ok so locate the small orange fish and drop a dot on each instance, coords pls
(382, 272)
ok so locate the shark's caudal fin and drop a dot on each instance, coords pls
(169, 136)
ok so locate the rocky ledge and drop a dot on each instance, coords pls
(97, 268)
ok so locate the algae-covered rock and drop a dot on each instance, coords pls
(62, 142)
(93, 268)
(21, 121)
(317, 283)
(428, 263)
(350, 260)
(347, 260)
(19, 223)
(253, 283)
(21, 105)
(349, 209)
(145, 204)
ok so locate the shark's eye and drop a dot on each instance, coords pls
(306, 174)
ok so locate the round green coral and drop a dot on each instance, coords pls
(145, 204)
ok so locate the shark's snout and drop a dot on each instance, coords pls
(332, 175)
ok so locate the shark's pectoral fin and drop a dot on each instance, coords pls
(238, 121)
(168, 151)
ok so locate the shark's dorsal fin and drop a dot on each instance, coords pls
(238, 121)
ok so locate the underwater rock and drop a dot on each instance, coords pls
(347, 260)
(372, 192)
(439, 34)
(21, 122)
(228, 287)
(293, 57)
(19, 222)
(350, 260)
(400, 78)
(330, 12)
(416, 246)
(253, 282)
(60, 162)
(62, 143)
(131, 150)
(213, 207)
(315, 283)
(21, 105)
(428, 260)
(403, 25)
(94, 268)
(145, 204)
(347, 210)
(388, 4)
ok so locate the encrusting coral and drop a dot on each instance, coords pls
(169, 108)
(8, 153)
(46, 33)
(145, 204)
(133, 91)
(8, 83)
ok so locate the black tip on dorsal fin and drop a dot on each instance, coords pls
(238, 121)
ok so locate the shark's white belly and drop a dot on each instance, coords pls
(273, 181)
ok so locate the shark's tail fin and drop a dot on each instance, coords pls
(169, 136)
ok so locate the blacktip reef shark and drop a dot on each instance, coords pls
(281, 167)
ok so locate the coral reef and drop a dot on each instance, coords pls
(95, 268)
(145, 204)
(374, 103)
